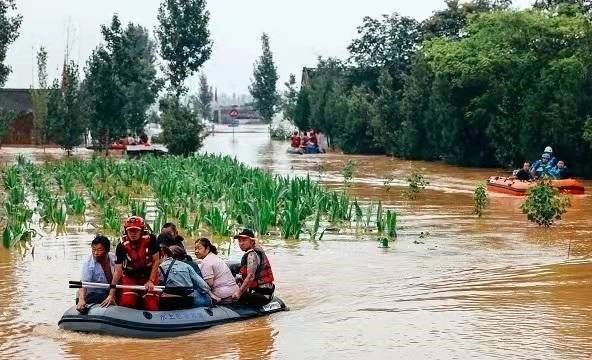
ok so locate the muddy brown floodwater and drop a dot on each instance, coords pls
(496, 287)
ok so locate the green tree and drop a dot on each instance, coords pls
(302, 110)
(184, 39)
(9, 31)
(121, 81)
(289, 99)
(451, 21)
(385, 122)
(182, 131)
(39, 98)
(133, 57)
(327, 84)
(354, 135)
(388, 43)
(204, 98)
(263, 86)
(185, 45)
(105, 98)
(65, 110)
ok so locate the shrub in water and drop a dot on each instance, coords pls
(481, 200)
(417, 184)
(544, 204)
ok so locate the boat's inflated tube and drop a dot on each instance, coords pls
(120, 321)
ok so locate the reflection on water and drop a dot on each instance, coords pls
(496, 287)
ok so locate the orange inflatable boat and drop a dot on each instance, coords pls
(512, 186)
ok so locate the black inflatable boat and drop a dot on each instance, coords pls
(120, 321)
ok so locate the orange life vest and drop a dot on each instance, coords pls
(138, 261)
(263, 274)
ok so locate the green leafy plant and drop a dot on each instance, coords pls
(544, 204)
(348, 171)
(481, 200)
(416, 184)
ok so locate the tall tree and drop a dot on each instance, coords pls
(263, 86)
(184, 39)
(39, 98)
(204, 98)
(121, 81)
(185, 45)
(133, 56)
(105, 97)
(290, 98)
(66, 110)
(388, 42)
(9, 31)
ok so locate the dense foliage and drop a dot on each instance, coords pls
(478, 84)
(121, 81)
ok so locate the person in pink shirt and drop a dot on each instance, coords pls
(215, 271)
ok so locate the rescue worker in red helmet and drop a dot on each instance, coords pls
(137, 260)
(256, 278)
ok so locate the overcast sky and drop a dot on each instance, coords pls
(300, 31)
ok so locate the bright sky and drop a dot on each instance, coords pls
(300, 31)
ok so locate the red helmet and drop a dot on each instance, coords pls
(134, 222)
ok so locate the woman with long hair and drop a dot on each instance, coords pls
(215, 271)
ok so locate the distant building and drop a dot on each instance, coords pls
(20, 131)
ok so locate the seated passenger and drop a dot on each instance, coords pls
(256, 278)
(185, 289)
(304, 140)
(170, 229)
(524, 173)
(295, 140)
(165, 240)
(541, 167)
(215, 271)
(561, 171)
(98, 268)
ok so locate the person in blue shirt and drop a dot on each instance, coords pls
(184, 288)
(561, 171)
(542, 167)
(97, 268)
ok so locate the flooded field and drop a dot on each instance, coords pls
(452, 286)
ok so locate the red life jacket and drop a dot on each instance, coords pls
(263, 274)
(138, 262)
(313, 139)
(295, 141)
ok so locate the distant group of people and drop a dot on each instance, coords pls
(311, 142)
(132, 140)
(546, 166)
(141, 258)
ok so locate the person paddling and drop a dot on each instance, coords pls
(256, 277)
(137, 260)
